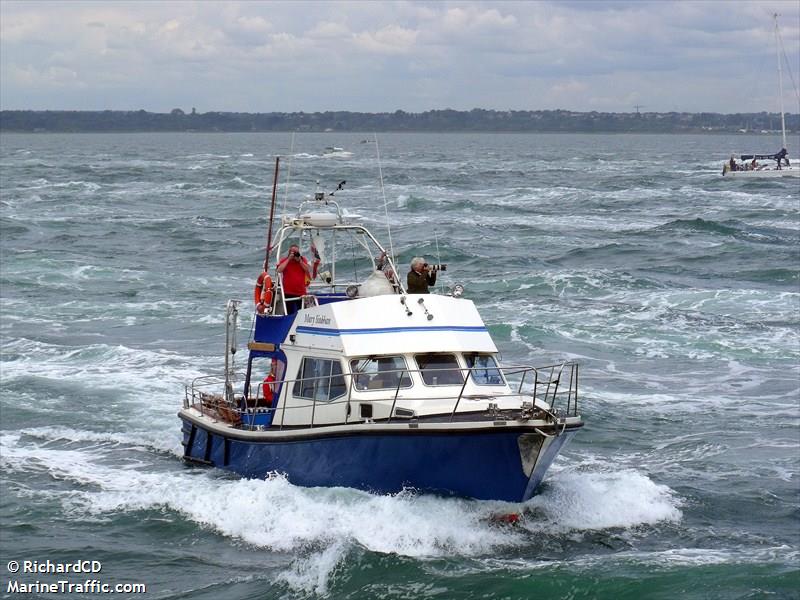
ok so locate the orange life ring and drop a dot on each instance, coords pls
(262, 294)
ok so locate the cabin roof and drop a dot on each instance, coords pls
(381, 325)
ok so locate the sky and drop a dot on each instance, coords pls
(370, 56)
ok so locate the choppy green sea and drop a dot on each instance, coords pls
(677, 290)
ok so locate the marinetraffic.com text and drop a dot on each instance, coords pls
(64, 585)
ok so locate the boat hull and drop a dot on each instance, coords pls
(490, 464)
(785, 172)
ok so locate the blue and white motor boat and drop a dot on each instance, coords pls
(374, 388)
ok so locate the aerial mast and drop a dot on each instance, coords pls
(271, 214)
(780, 79)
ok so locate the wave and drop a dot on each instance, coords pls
(89, 186)
(764, 235)
(322, 525)
(206, 156)
(138, 374)
(766, 275)
(588, 501)
(81, 439)
(11, 227)
(338, 154)
(239, 181)
(698, 225)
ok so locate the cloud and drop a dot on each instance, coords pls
(387, 40)
(27, 27)
(474, 21)
(376, 56)
(569, 87)
(49, 78)
(257, 25)
(329, 30)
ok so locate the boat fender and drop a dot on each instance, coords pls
(504, 519)
(262, 294)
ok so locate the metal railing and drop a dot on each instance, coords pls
(553, 390)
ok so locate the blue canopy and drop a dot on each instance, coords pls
(777, 156)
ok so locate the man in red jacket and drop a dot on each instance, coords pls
(295, 271)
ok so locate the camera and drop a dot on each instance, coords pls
(295, 255)
(435, 267)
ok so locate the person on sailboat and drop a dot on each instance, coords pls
(295, 269)
(781, 156)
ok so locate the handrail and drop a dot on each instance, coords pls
(522, 381)
(207, 402)
(213, 379)
(349, 395)
(396, 394)
(511, 370)
(460, 393)
(294, 225)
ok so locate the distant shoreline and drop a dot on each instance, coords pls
(435, 121)
(432, 131)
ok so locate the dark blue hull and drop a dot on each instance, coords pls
(486, 465)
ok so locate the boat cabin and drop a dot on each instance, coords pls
(360, 348)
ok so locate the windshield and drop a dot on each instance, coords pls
(380, 373)
(439, 369)
(484, 370)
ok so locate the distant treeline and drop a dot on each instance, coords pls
(432, 120)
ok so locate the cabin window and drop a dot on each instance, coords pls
(484, 370)
(380, 373)
(439, 369)
(319, 379)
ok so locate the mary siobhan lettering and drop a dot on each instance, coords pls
(317, 320)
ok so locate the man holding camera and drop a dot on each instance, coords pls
(295, 271)
(420, 276)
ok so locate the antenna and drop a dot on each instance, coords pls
(438, 258)
(780, 79)
(383, 193)
(638, 106)
(288, 175)
(271, 214)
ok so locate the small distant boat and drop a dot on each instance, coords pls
(333, 149)
(750, 167)
(777, 164)
(372, 387)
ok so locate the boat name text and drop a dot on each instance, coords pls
(318, 319)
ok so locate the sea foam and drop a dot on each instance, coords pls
(322, 525)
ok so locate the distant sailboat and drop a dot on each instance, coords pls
(749, 165)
